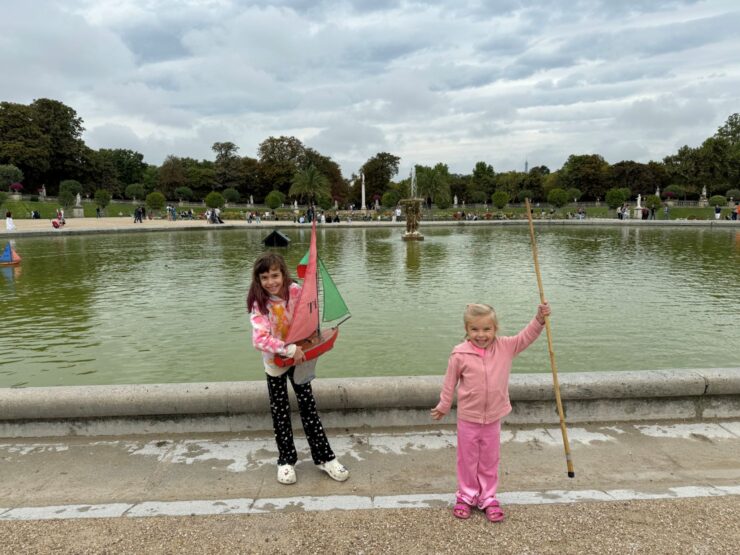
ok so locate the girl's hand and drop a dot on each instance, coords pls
(436, 414)
(542, 311)
(299, 356)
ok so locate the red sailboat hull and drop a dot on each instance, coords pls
(313, 347)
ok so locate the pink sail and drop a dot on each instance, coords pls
(306, 313)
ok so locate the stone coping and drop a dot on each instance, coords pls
(349, 394)
(79, 226)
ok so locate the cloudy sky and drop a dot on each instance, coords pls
(430, 81)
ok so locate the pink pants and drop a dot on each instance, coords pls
(478, 449)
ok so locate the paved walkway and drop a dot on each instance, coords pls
(658, 488)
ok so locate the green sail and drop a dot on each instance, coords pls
(334, 305)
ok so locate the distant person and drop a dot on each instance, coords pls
(271, 302)
(479, 368)
(717, 212)
(97, 211)
(652, 212)
(666, 211)
(736, 212)
(9, 223)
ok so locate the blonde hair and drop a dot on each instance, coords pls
(475, 310)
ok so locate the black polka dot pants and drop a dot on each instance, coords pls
(277, 387)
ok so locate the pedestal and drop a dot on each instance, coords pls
(414, 236)
(78, 212)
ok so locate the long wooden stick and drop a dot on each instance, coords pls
(555, 383)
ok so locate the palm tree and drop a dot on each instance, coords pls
(310, 184)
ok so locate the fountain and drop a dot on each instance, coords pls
(412, 207)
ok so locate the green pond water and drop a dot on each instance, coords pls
(170, 307)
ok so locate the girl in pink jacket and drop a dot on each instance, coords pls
(271, 300)
(480, 368)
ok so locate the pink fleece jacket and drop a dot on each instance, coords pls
(483, 381)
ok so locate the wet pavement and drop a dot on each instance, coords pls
(659, 482)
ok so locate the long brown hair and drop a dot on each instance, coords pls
(257, 293)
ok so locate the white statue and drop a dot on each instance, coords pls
(657, 191)
(454, 201)
(704, 192)
(639, 200)
(251, 200)
(78, 200)
(295, 205)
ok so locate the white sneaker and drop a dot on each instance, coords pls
(335, 469)
(286, 474)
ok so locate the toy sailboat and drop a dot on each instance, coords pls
(9, 257)
(305, 330)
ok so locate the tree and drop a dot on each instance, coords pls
(574, 194)
(228, 164)
(63, 128)
(557, 197)
(183, 193)
(433, 183)
(483, 179)
(615, 197)
(587, 172)
(214, 199)
(171, 175)
(651, 201)
(102, 198)
(128, 166)
(155, 200)
(274, 199)
(730, 131)
(378, 172)
(311, 185)
(23, 143)
(282, 150)
(9, 174)
(231, 195)
(500, 199)
(135, 190)
(733, 194)
(72, 186)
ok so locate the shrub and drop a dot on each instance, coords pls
(16, 187)
(325, 203)
(673, 191)
(231, 195)
(557, 197)
(155, 200)
(34, 198)
(718, 200)
(614, 198)
(66, 198)
(214, 199)
(734, 194)
(274, 199)
(500, 199)
(9, 174)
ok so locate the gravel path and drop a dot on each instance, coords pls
(706, 525)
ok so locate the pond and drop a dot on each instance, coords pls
(170, 307)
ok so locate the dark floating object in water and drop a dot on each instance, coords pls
(276, 239)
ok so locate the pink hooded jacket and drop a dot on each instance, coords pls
(483, 381)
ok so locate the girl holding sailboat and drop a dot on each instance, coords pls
(272, 299)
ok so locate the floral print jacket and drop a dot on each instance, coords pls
(269, 330)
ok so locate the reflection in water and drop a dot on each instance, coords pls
(170, 307)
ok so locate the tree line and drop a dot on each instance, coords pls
(41, 145)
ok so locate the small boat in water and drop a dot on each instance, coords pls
(9, 257)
